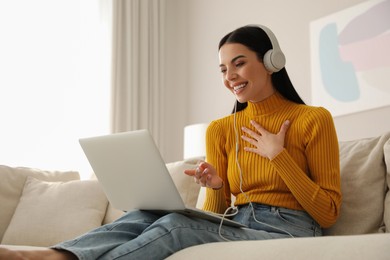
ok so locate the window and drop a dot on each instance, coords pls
(55, 81)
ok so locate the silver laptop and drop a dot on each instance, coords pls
(134, 176)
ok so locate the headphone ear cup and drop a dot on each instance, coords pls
(267, 61)
(274, 61)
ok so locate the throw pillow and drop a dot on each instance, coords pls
(186, 186)
(11, 187)
(363, 186)
(51, 212)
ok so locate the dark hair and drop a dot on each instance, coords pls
(255, 39)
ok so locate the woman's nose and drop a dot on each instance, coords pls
(231, 75)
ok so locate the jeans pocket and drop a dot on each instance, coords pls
(300, 221)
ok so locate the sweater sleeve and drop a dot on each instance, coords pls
(319, 193)
(217, 200)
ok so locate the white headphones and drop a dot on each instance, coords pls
(273, 59)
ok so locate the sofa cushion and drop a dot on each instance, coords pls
(11, 186)
(373, 246)
(386, 218)
(186, 185)
(51, 212)
(363, 186)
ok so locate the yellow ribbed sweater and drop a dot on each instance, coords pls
(304, 176)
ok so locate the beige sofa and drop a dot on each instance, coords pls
(40, 208)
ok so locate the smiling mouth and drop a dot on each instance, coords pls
(239, 87)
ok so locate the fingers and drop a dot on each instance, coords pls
(189, 172)
(192, 172)
(264, 143)
(260, 130)
(249, 140)
(205, 175)
(263, 131)
(249, 131)
(199, 171)
(284, 127)
(201, 177)
(258, 127)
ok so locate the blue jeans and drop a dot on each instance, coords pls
(143, 235)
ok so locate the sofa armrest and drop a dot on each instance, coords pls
(372, 246)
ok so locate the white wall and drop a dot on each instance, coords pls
(198, 25)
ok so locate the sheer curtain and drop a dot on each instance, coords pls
(138, 64)
(55, 81)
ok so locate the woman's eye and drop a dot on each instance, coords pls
(239, 64)
(223, 70)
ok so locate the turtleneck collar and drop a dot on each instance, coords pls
(266, 106)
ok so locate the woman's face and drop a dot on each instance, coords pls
(243, 74)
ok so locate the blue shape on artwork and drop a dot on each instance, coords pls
(338, 77)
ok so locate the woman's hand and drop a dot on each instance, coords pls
(265, 143)
(206, 175)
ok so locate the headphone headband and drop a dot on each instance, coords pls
(274, 59)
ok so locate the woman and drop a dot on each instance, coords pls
(278, 156)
